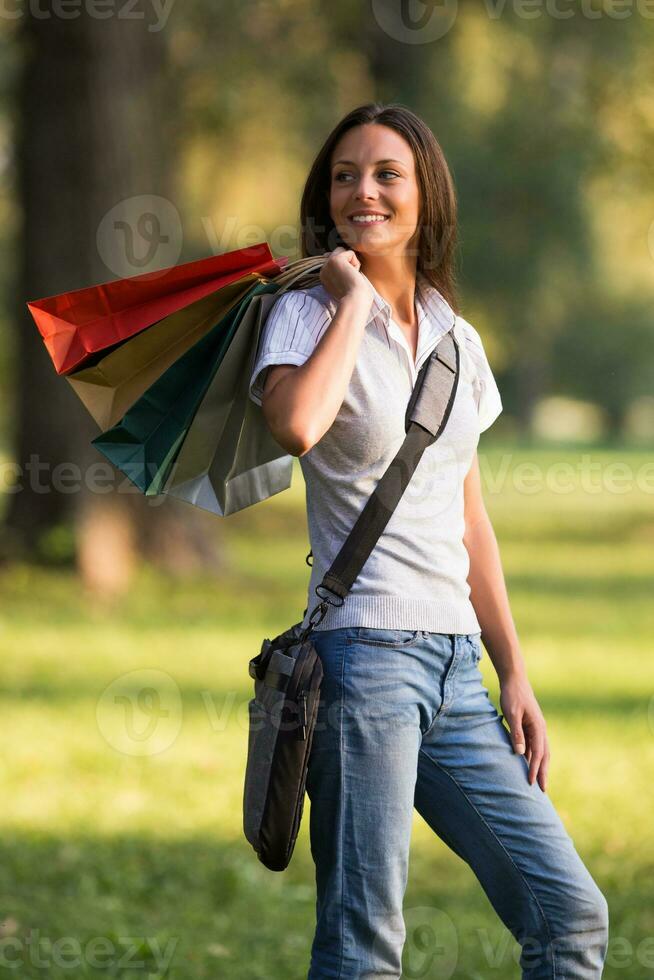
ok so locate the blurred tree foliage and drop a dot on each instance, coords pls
(547, 123)
(548, 126)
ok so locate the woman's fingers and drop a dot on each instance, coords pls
(538, 750)
(527, 727)
(517, 734)
(544, 769)
(351, 255)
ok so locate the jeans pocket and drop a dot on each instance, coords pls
(376, 637)
(476, 647)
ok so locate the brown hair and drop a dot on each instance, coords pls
(438, 215)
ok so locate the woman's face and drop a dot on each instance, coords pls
(373, 170)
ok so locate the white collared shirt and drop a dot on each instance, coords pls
(416, 576)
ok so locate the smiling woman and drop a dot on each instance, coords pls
(404, 718)
(390, 165)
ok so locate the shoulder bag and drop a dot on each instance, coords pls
(287, 672)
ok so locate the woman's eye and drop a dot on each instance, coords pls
(343, 173)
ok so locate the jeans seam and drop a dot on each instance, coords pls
(448, 680)
(440, 713)
(340, 804)
(389, 645)
(500, 844)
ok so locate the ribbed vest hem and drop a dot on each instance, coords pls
(399, 613)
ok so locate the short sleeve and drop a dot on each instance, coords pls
(486, 393)
(289, 335)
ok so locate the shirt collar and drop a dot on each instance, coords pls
(430, 303)
(435, 318)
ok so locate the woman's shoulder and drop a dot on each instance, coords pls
(479, 371)
(312, 301)
(473, 347)
(470, 337)
(297, 319)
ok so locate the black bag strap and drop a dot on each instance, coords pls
(426, 416)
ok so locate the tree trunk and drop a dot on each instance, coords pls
(93, 130)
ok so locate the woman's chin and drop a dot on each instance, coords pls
(369, 240)
(377, 247)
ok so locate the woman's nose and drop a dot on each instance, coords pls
(366, 188)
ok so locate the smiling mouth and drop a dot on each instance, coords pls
(362, 222)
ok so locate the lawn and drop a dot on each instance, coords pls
(124, 735)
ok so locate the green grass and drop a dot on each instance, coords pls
(136, 842)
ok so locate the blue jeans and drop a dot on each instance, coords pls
(405, 720)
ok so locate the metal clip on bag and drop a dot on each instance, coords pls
(288, 672)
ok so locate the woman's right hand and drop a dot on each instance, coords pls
(341, 275)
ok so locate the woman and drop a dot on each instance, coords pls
(404, 718)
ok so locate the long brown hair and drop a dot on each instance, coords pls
(438, 218)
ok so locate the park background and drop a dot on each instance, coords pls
(134, 137)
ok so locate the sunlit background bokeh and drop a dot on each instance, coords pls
(126, 624)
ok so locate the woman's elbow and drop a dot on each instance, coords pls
(291, 436)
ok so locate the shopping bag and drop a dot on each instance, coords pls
(112, 385)
(77, 324)
(229, 459)
(145, 443)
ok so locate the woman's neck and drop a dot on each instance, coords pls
(395, 282)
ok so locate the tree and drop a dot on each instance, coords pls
(94, 127)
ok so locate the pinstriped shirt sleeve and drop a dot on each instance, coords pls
(289, 335)
(485, 390)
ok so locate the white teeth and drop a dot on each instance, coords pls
(368, 219)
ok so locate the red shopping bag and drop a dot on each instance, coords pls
(77, 324)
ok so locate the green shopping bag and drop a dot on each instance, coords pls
(147, 440)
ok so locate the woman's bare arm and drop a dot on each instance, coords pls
(490, 600)
(488, 592)
(301, 402)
